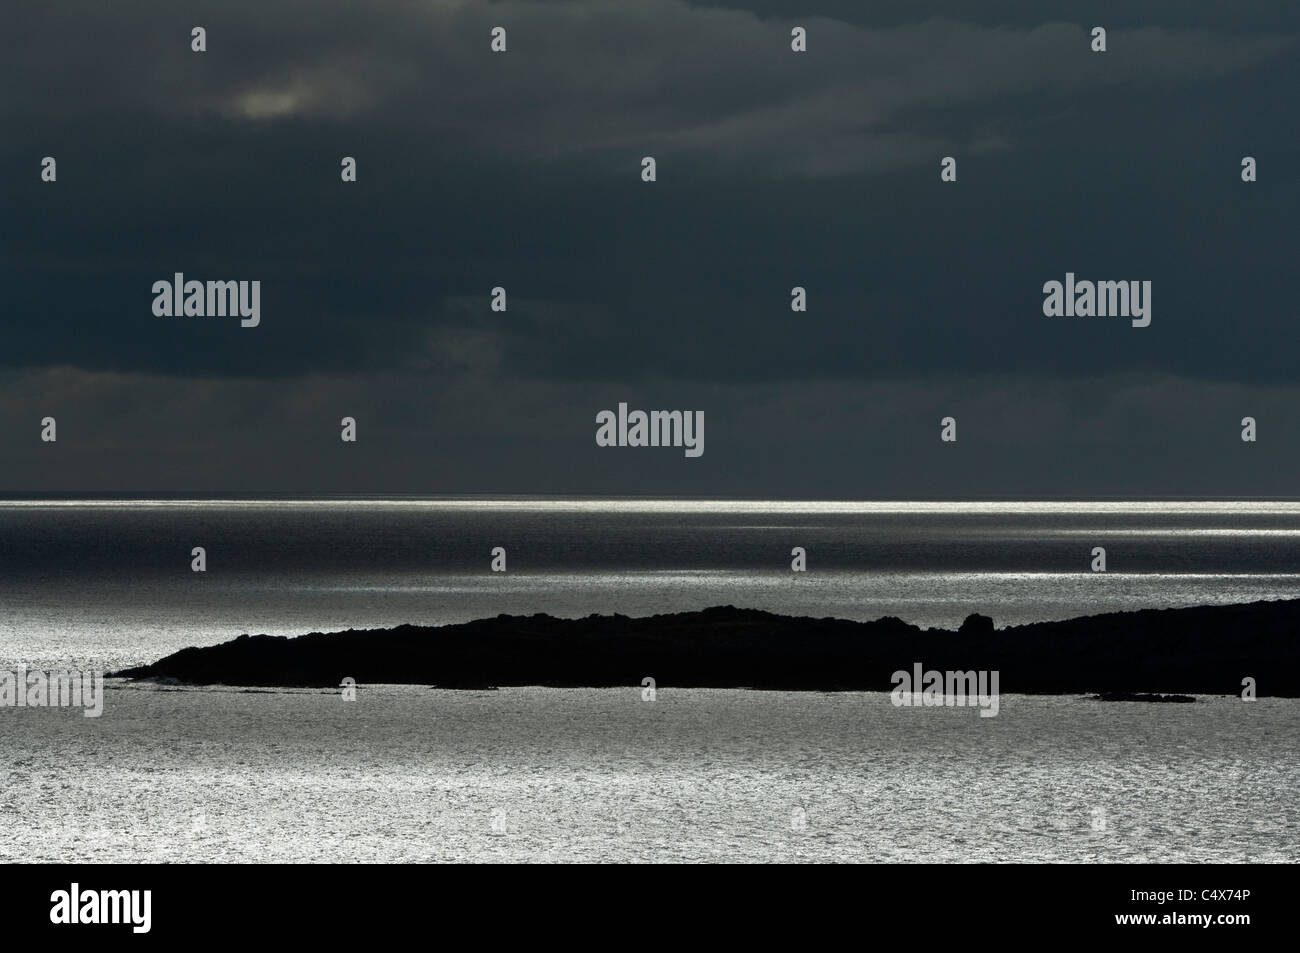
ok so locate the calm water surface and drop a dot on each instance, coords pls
(413, 774)
(406, 773)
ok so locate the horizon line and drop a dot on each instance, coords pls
(651, 501)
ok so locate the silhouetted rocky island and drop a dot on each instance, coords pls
(1202, 650)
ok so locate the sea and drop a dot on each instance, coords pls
(408, 773)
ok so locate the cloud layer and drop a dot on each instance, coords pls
(521, 170)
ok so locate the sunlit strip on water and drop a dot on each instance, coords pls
(834, 507)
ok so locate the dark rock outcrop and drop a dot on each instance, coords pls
(1203, 650)
(976, 624)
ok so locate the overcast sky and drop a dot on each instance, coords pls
(775, 169)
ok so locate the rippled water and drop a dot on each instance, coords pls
(412, 774)
(408, 773)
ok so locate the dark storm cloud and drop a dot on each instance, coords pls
(522, 170)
